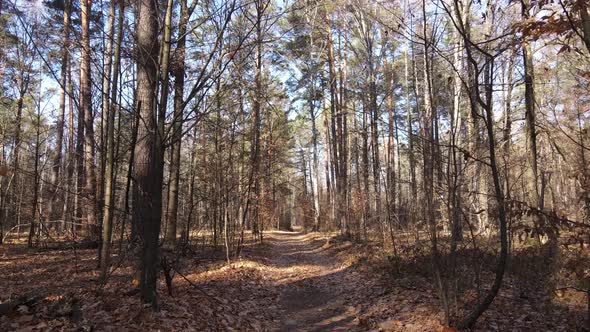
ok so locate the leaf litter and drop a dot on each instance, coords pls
(293, 282)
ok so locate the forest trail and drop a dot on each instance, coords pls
(314, 291)
(290, 282)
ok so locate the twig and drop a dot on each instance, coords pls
(196, 287)
(577, 289)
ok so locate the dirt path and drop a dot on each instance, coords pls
(291, 282)
(312, 283)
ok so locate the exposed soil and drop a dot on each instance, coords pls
(313, 285)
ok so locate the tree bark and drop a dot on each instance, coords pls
(36, 178)
(147, 167)
(86, 108)
(71, 161)
(109, 194)
(57, 158)
(374, 111)
(335, 121)
(506, 134)
(178, 72)
(256, 119)
(429, 156)
(486, 103)
(410, 138)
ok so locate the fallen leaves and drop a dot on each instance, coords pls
(294, 281)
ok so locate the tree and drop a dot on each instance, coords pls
(60, 124)
(486, 103)
(109, 192)
(147, 165)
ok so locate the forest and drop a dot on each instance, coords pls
(295, 165)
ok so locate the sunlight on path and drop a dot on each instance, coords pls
(312, 284)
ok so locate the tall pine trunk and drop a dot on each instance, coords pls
(109, 191)
(57, 158)
(429, 156)
(147, 168)
(86, 107)
(178, 72)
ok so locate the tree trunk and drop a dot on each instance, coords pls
(410, 138)
(487, 105)
(327, 167)
(335, 122)
(109, 195)
(256, 119)
(508, 122)
(316, 170)
(530, 121)
(86, 108)
(390, 193)
(178, 72)
(106, 105)
(62, 106)
(470, 320)
(68, 214)
(343, 132)
(36, 178)
(172, 209)
(365, 170)
(374, 111)
(429, 155)
(147, 167)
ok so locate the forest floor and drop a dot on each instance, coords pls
(292, 282)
